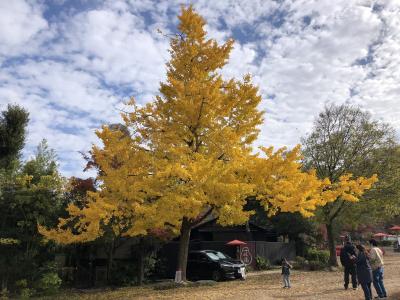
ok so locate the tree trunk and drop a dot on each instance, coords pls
(183, 249)
(331, 245)
(110, 260)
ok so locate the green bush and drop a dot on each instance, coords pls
(124, 273)
(49, 283)
(262, 263)
(314, 260)
(321, 256)
(160, 269)
(24, 292)
(300, 263)
(315, 265)
(385, 243)
(4, 293)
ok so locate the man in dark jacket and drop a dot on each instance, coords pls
(348, 259)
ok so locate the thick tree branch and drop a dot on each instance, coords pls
(200, 218)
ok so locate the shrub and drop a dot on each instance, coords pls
(262, 263)
(160, 269)
(24, 292)
(300, 263)
(315, 265)
(315, 260)
(385, 243)
(49, 283)
(4, 293)
(124, 273)
(321, 256)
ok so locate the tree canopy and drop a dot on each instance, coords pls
(13, 122)
(189, 154)
(345, 140)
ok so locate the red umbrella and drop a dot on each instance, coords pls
(395, 228)
(380, 234)
(235, 243)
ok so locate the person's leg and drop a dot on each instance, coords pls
(380, 280)
(376, 282)
(285, 280)
(353, 271)
(288, 280)
(346, 277)
(367, 292)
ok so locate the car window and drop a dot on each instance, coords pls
(222, 255)
(213, 256)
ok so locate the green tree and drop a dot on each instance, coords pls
(13, 122)
(344, 140)
(32, 195)
(382, 202)
(43, 164)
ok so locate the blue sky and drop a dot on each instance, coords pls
(72, 63)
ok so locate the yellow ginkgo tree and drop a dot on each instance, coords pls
(188, 154)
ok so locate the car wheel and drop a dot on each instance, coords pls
(216, 275)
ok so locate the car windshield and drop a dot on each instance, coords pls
(221, 255)
(213, 256)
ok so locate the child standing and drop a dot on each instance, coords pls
(286, 272)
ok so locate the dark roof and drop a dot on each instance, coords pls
(213, 226)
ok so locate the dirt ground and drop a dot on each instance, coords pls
(305, 285)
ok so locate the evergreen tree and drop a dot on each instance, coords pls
(13, 122)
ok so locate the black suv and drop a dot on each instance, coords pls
(215, 265)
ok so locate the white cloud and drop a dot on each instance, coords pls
(20, 22)
(308, 66)
(65, 105)
(379, 92)
(115, 45)
(71, 71)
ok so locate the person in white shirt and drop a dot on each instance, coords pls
(376, 260)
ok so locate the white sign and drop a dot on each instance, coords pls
(245, 256)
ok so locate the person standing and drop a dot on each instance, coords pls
(347, 259)
(376, 260)
(286, 273)
(364, 272)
